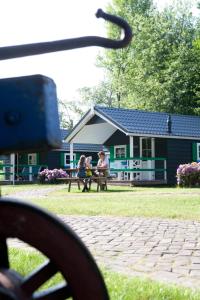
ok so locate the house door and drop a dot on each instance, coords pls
(147, 150)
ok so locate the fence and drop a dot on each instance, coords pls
(139, 168)
(9, 172)
(136, 168)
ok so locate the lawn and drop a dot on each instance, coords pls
(119, 287)
(119, 201)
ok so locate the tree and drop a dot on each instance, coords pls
(101, 94)
(65, 115)
(164, 68)
(113, 91)
(160, 69)
(114, 62)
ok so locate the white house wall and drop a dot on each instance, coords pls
(94, 134)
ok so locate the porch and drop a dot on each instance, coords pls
(134, 171)
(11, 173)
(139, 169)
(136, 159)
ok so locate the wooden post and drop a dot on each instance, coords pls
(165, 167)
(71, 156)
(12, 169)
(30, 171)
(131, 155)
(153, 162)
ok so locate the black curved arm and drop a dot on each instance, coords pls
(61, 45)
(114, 44)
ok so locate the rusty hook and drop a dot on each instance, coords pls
(67, 44)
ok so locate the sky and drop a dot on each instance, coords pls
(37, 21)
(31, 21)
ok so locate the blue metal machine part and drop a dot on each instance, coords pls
(28, 114)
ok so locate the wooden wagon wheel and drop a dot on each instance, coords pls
(66, 253)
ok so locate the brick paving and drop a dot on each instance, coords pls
(34, 192)
(160, 249)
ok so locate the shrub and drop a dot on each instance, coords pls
(188, 175)
(51, 176)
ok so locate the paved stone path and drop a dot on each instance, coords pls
(34, 192)
(160, 249)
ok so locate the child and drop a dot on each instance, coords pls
(88, 166)
(89, 170)
(82, 171)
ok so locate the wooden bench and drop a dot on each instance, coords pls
(69, 181)
(100, 180)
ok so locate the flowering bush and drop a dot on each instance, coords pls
(189, 174)
(50, 176)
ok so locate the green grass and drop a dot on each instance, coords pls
(147, 202)
(26, 261)
(174, 203)
(119, 287)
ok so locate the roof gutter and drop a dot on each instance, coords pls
(164, 136)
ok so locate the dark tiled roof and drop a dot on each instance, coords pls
(152, 123)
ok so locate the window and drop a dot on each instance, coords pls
(32, 159)
(67, 159)
(146, 147)
(120, 151)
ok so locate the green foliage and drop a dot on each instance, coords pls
(66, 122)
(165, 66)
(67, 112)
(101, 94)
(160, 70)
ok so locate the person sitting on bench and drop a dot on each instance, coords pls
(82, 172)
(102, 163)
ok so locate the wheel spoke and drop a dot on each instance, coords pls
(39, 276)
(59, 292)
(4, 262)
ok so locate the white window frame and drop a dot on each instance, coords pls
(119, 146)
(149, 164)
(152, 146)
(34, 161)
(198, 151)
(68, 154)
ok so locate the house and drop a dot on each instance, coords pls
(143, 146)
(60, 158)
(28, 164)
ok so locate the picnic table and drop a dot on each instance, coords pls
(100, 178)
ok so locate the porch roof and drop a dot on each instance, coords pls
(82, 147)
(79, 147)
(137, 122)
